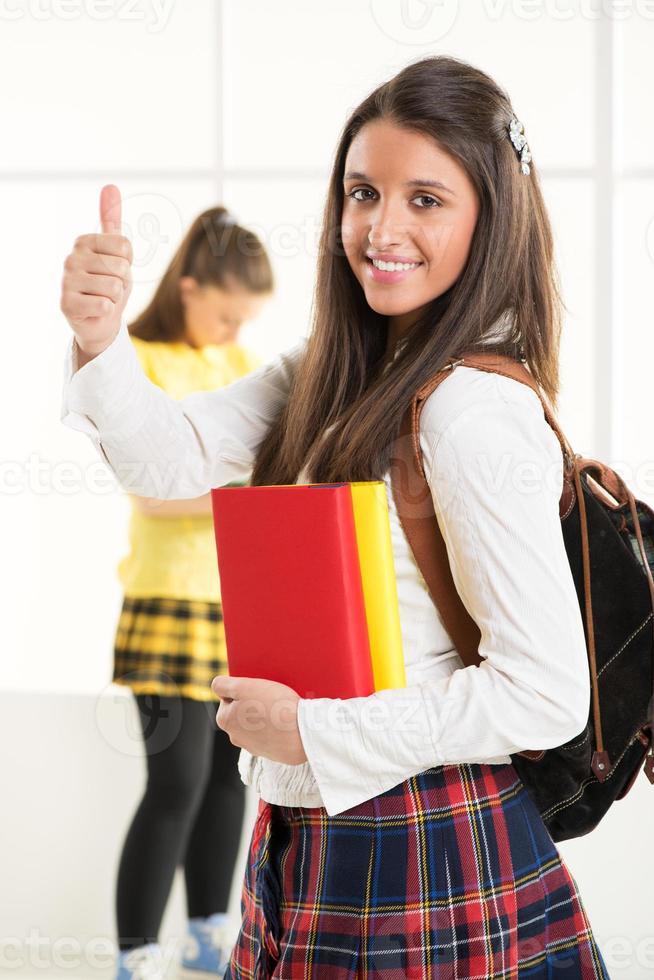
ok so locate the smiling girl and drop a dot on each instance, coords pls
(394, 837)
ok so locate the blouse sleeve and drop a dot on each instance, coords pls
(158, 446)
(495, 472)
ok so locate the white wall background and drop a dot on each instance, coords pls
(185, 105)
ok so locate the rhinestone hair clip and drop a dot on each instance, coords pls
(519, 140)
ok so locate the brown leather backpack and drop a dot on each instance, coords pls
(609, 540)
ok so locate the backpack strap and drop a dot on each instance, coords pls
(509, 368)
(415, 509)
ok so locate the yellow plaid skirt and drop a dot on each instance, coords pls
(170, 647)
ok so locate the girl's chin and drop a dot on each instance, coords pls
(389, 307)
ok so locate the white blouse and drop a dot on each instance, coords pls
(495, 470)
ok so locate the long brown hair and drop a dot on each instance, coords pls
(510, 273)
(215, 251)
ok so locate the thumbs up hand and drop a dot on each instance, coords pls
(97, 279)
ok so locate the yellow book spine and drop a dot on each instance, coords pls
(373, 531)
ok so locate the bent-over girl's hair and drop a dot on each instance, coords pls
(510, 278)
(215, 251)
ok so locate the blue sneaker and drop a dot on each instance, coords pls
(141, 963)
(208, 947)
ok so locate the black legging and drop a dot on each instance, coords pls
(191, 814)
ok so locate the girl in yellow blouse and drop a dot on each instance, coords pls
(170, 640)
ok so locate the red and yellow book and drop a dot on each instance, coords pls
(308, 589)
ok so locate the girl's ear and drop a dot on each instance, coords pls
(187, 286)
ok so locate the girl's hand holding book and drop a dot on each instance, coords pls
(260, 716)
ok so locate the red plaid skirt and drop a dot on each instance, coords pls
(452, 873)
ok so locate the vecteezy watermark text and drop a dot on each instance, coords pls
(154, 14)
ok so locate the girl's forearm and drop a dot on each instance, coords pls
(154, 507)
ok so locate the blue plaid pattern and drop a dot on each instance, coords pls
(452, 873)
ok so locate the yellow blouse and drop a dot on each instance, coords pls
(176, 556)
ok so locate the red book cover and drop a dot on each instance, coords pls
(291, 588)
